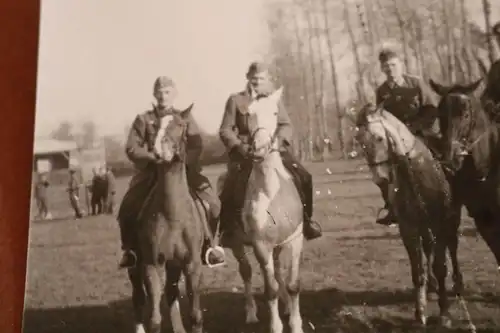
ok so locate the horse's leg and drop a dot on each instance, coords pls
(278, 274)
(264, 255)
(138, 298)
(154, 276)
(192, 272)
(246, 275)
(293, 283)
(172, 296)
(440, 271)
(429, 245)
(453, 225)
(412, 243)
(486, 228)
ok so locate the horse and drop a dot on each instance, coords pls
(471, 147)
(271, 221)
(171, 232)
(420, 197)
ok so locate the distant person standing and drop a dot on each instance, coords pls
(97, 190)
(111, 191)
(41, 189)
(74, 193)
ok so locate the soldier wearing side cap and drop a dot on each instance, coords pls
(74, 192)
(234, 133)
(140, 150)
(410, 100)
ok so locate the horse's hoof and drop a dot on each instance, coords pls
(155, 328)
(445, 322)
(139, 328)
(197, 329)
(421, 319)
(251, 318)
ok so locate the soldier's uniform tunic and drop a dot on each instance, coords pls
(140, 150)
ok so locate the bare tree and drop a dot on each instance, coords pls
(306, 96)
(489, 35)
(402, 30)
(335, 83)
(355, 52)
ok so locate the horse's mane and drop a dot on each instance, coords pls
(360, 117)
(414, 175)
(484, 135)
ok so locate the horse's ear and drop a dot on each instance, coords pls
(471, 87)
(482, 66)
(438, 88)
(276, 95)
(187, 112)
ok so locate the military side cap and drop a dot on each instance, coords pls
(163, 82)
(257, 67)
(386, 54)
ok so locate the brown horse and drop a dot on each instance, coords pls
(171, 233)
(272, 218)
(420, 198)
(472, 155)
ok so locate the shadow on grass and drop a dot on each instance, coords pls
(323, 311)
(464, 232)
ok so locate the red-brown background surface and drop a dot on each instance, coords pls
(19, 21)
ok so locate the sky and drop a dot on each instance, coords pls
(98, 59)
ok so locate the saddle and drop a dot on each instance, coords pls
(138, 200)
(233, 194)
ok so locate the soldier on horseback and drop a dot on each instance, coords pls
(409, 99)
(140, 150)
(234, 133)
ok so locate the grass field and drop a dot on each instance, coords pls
(355, 278)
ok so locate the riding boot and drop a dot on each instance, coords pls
(389, 217)
(304, 184)
(303, 181)
(129, 257)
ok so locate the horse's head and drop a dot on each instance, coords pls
(263, 122)
(172, 138)
(457, 117)
(382, 137)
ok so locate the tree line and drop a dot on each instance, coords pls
(325, 53)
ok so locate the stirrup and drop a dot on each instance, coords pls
(210, 251)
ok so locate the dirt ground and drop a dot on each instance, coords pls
(354, 279)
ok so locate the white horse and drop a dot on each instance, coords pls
(272, 218)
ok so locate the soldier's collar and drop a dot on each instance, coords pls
(161, 112)
(397, 83)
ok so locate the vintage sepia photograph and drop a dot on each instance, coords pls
(266, 166)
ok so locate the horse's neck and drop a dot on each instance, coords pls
(266, 175)
(485, 144)
(404, 140)
(172, 188)
(415, 163)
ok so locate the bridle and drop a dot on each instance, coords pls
(269, 147)
(391, 159)
(177, 146)
(465, 142)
